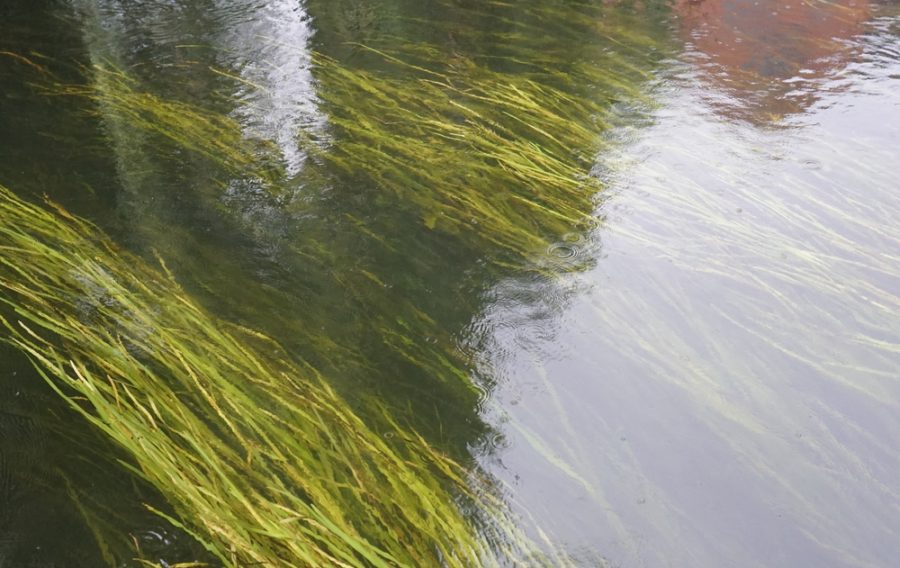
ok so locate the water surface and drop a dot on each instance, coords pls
(701, 370)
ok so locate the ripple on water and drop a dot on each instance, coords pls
(563, 250)
(811, 164)
(569, 246)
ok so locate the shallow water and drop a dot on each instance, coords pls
(706, 374)
(733, 355)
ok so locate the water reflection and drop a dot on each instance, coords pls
(728, 392)
(190, 51)
(766, 58)
(269, 46)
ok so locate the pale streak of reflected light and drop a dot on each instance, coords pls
(269, 49)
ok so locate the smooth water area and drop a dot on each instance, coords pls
(691, 360)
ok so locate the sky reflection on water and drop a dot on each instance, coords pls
(724, 387)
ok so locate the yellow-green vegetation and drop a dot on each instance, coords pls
(492, 162)
(262, 462)
(501, 157)
(497, 147)
(475, 171)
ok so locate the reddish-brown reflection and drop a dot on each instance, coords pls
(766, 53)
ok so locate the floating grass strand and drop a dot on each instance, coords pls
(261, 460)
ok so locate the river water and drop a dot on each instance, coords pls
(702, 369)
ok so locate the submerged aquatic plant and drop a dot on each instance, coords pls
(212, 135)
(261, 460)
(494, 165)
(472, 152)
